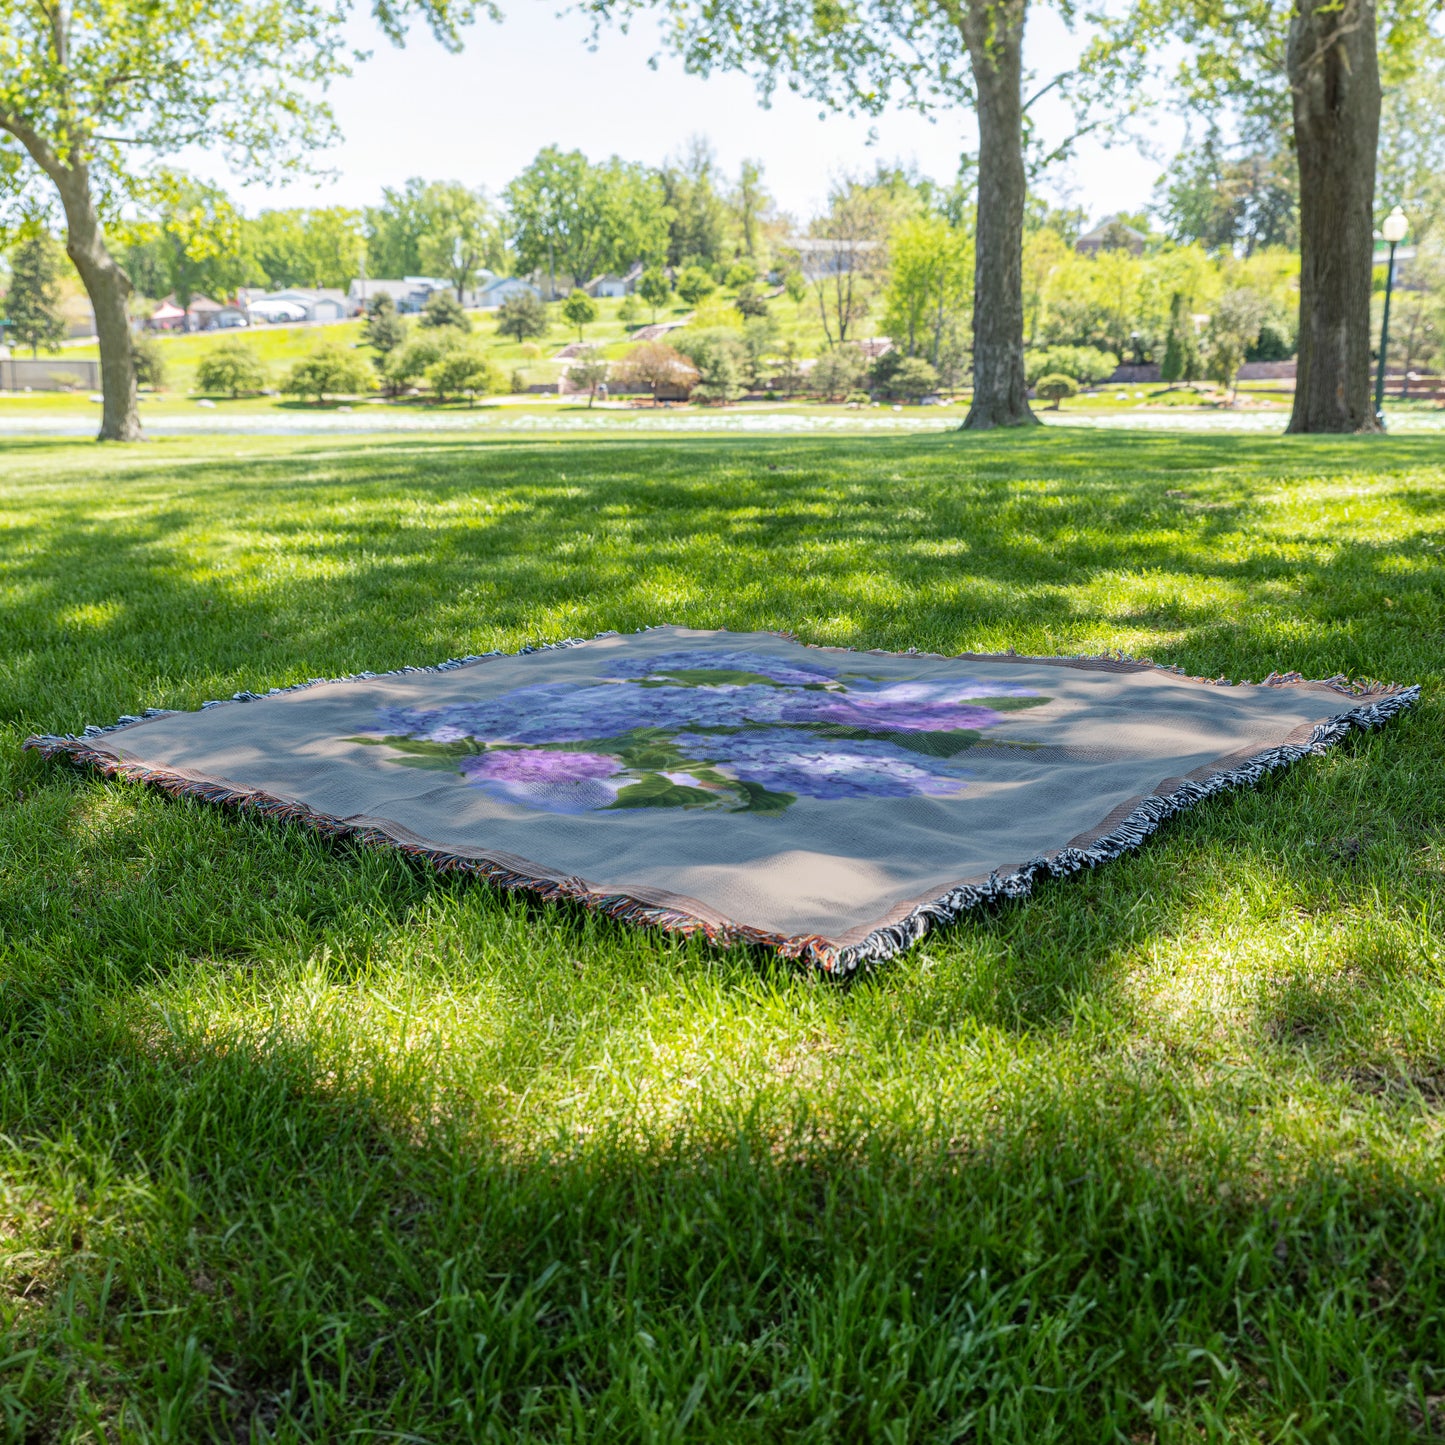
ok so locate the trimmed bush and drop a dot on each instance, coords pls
(232, 368)
(1056, 388)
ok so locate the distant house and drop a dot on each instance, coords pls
(1111, 235)
(410, 293)
(614, 286)
(503, 288)
(820, 256)
(317, 303)
(200, 315)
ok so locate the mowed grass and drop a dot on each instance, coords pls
(303, 1142)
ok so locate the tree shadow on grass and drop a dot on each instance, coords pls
(929, 1196)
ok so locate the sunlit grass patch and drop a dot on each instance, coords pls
(301, 1140)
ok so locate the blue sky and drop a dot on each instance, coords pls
(530, 81)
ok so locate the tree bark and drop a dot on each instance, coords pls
(993, 30)
(109, 289)
(1335, 88)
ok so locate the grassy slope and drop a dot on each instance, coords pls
(280, 346)
(304, 1142)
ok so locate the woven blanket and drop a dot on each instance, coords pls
(831, 804)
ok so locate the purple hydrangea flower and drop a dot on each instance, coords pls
(553, 782)
(786, 761)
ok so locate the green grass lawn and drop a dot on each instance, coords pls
(303, 1142)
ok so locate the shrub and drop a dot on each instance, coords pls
(233, 368)
(1086, 364)
(383, 330)
(579, 310)
(741, 273)
(914, 378)
(838, 371)
(150, 362)
(1274, 342)
(630, 312)
(518, 381)
(328, 372)
(463, 371)
(654, 365)
(408, 364)
(721, 361)
(695, 285)
(1055, 388)
(443, 309)
(750, 302)
(522, 316)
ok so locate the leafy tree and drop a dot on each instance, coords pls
(187, 242)
(697, 215)
(1231, 204)
(1055, 388)
(796, 285)
(914, 378)
(655, 366)
(855, 233)
(461, 231)
(299, 247)
(654, 288)
(721, 361)
(383, 330)
(751, 206)
(838, 371)
(741, 273)
(149, 360)
(587, 371)
(577, 219)
(930, 292)
(1417, 328)
(462, 370)
(1232, 329)
(790, 373)
(1181, 348)
(443, 309)
(579, 310)
(408, 364)
(1086, 364)
(232, 367)
(1412, 146)
(438, 228)
(1313, 66)
(857, 57)
(760, 336)
(95, 93)
(329, 371)
(521, 316)
(32, 304)
(694, 285)
(750, 302)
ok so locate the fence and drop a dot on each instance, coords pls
(48, 373)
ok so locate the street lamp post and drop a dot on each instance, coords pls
(1396, 224)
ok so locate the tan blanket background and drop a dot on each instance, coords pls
(1092, 755)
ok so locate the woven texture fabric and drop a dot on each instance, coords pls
(831, 804)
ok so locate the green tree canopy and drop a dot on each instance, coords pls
(32, 302)
(576, 219)
(298, 247)
(96, 91)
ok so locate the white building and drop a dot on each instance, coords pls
(503, 288)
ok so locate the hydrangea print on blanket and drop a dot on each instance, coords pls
(700, 728)
(831, 804)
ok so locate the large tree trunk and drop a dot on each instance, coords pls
(109, 289)
(1335, 86)
(994, 33)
